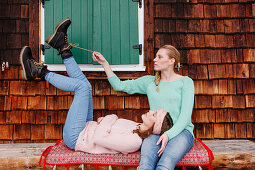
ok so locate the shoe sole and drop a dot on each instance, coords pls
(50, 37)
(23, 72)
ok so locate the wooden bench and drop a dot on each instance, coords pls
(60, 154)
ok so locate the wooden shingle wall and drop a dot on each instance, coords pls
(215, 38)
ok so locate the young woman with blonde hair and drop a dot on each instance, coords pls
(166, 90)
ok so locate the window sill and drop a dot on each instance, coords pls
(90, 67)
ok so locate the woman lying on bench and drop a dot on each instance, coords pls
(109, 134)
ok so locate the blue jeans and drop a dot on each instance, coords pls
(81, 109)
(175, 149)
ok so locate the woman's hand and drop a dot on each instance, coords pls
(99, 120)
(164, 139)
(98, 57)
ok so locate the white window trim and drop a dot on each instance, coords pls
(91, 67)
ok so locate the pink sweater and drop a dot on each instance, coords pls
(112, 135)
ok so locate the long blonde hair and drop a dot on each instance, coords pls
(172, 53)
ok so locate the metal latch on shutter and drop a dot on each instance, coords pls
(140, 2)
(138, 46)
(43, 47)
(43, 1)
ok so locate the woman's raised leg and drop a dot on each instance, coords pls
(78, 113)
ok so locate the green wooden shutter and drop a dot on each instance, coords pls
(107, 26)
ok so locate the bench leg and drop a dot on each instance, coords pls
(96, 168)
(183, 167)
(210, 167)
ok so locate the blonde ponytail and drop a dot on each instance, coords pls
(157, 79)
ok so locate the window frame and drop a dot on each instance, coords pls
(148, 41)
(91, 67)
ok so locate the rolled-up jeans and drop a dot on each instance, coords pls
(175, 149)
(81, 109)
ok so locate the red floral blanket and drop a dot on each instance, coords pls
(60, 154)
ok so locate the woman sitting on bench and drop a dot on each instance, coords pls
(109, 134)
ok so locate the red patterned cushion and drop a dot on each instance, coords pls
(60, 154)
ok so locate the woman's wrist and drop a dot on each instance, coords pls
(106, 64)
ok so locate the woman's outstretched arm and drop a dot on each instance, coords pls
(101, 60)
(129, 86)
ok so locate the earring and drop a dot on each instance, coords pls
(178, 66)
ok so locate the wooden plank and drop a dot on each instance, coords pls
(234, 114)
(199, 86)
(203, 116)
(204, 131)
(248, 86)
(19, 103)
(209, 11)
(41, 117)
(115, 31)
(2, 117)
(229, 131)
(62, 117)
(4, 87)
(240, 129)
(222, 102)
(216, 71)
(22, 131)
(132, 102)
(15, 87)
(52, 117)
(7, 100)
(238, 101)
(250, 100)
(28, 117)
(50, 89)
(144, 103)
(208, 85)
(24, 11)
(13, 117)
(102, 88)
(114, 102)
(250, 130)
(249, 55)
(219, 130)
(222, 115)
(202, 72)
(98, 102)
(203, 102)
(37, 102)
(34, 28)
(215, 86)
(193, 56)
(37, 132)
(53, 132)
(125, 114)
(231, 86)
(199, 40)
(6, 132)
(243, 71)
(223, 86)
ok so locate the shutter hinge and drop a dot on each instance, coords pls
(140, 2)
(43, 47)
(138, 46)
(43, 1)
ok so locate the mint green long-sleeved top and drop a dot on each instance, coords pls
(176, 97)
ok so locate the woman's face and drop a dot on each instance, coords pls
(162, 61)
(149, 118)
